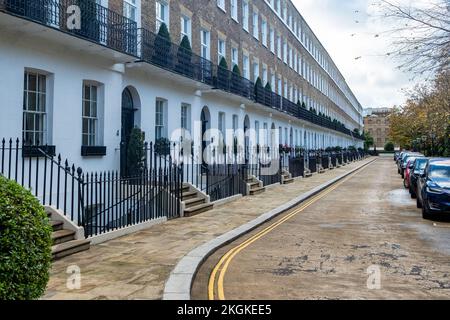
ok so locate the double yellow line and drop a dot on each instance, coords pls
(223, 264)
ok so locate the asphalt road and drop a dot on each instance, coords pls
(362, 239)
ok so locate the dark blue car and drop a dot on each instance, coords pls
(434, 187)
(416, 171)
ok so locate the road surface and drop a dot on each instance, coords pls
(361, 239)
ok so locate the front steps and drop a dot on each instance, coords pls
(254, 186)
(195, 202)
(286, 177)
(307, 173)
(64, 240)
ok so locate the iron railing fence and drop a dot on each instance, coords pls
(97, 23)
(297, 166)
(266, 164)
(98, 201)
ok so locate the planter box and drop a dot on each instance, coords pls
(38, 151)
(93, 151)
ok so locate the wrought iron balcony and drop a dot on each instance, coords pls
(97, 23)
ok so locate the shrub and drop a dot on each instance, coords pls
(135, 153)
(303, 105)
(162, 146)
(258, 85)
(236, 70)
(268, 87)
(25, 244)
(223, 63)
(162, 47)
(185, 57)
(389, 146)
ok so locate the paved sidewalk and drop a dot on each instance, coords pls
(136, 266)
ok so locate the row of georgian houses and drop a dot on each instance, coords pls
(78, 75)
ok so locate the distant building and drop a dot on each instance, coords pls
(376, 122)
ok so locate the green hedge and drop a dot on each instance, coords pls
(25, 244)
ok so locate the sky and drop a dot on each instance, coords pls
(347, 29)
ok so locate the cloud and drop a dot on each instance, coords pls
(348, 30)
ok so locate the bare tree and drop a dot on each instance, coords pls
(421, 35)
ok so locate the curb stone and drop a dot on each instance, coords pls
(178, 285)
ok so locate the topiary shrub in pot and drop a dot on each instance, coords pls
(162, 55)
(184, 55)
(236, 79)
(259, 93)
(136, 153)
(223, 77)
(25, 243)
(162, 146)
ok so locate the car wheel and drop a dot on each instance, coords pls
(425, 212)
(419, 205)
(405, 184)
(413, 195)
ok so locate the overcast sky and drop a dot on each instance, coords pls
(348, 29)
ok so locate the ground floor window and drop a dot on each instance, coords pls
(160, 119)
(185, 116)
(35, 108)
(90, 115)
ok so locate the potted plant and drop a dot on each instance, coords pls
(162, 146)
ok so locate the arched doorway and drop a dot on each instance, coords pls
(128, 122)
(205, 118)
(247, 139)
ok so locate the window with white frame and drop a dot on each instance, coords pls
(90, 121)
(245, 15)
(255, 71)
(221, 49)
(222, 123)
(279, 53)
(280, 86)
(264, 32)
(264, 75)
(186, 28)
(246, 66)
(221, 4)
(285, 52)
(257, 132)
(162, 14)
(273, 82)
(130, 9)
(234, 10)
(35, 108)
(235, 122)
(234, 57)
(205, 40)
(272, 40)
(160, 119)
(186, 116)
(256, 25)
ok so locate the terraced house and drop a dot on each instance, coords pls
(79, 75)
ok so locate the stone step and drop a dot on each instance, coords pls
(189, 212)
(189, 195)
(70, 247)
(257, 191)
(62, 236)
(57, 225)
(194, 202)
(288, 181)
(307, 174)
(253, 184)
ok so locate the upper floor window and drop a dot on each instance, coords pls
(221, 50)
(272, 40)
(246, 67)
(255, 25)
(35, 108)
(162, 14)
(264, 32)
(205, 38)
(186, 28)
(234, 57)
(130, 9)
(245, 15)
(221, 4)
(255, 71)
(234, 10)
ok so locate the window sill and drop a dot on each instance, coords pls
(93, 151)
(35, 151)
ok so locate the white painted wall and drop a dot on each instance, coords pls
(68, 69)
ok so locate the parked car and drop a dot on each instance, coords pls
(408, 168)
(415, 173)
(404, 162)
(433, 194)
(396, 155)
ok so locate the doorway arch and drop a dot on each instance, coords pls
(205, 118)
(129, 120)
(247, 139)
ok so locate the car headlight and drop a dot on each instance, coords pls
(434, 189)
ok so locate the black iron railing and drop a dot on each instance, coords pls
(97, 23)
(98, 201)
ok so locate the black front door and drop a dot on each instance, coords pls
(205, 122)
(127, 127)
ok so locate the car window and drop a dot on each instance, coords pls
(439, 171)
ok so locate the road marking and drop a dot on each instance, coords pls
(223, 264)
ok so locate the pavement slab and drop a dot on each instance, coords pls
(137, 266)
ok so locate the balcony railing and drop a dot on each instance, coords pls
(97, 23)
(108, 28)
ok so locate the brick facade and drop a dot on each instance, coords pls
(206, 14)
